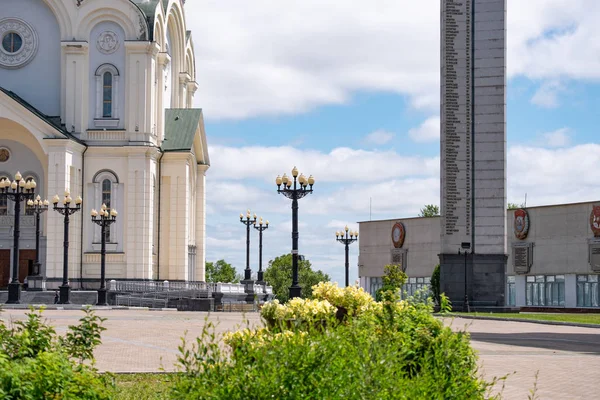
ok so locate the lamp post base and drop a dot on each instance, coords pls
(295, 291)
(65, 294)
(14, 293)
(260, 276)
(102, 297)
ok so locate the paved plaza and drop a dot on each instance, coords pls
(567, 358)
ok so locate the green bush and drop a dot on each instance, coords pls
(36, 363)
(391, 349)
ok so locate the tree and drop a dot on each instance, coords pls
(514, 206)
(430, 210)
(221, 271)
(279, 275)
(393, 279)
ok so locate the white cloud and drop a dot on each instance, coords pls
(428, 131)
(341, 164)
(547, 94)
(558, 138)
(379, 137)
(285, 57)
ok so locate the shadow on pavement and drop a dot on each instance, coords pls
(575, 342)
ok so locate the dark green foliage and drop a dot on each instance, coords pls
(221, 271)
(279, 275)
(36, 364)
(435, 284)
(515, 206)
(430, 210)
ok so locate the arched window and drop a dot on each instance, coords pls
(107, 95)
(105, 184)
(4, 200)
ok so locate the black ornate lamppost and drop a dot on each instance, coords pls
(248, 221)
(66, 210)
(38, 207)
(466, 246)
(260, 228)
(346, 240)
(295, 190)
(104, 219)
(18, 190)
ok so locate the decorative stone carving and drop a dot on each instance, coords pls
(595, 221)
(28, 48)
(398, 234)
(521, 224)
(108, 42)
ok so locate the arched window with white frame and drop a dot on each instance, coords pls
(107, 91)
(106, 184)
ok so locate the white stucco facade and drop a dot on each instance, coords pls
(95, 97)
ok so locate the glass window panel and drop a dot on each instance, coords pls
(550, 278)
(535, 294)
(510, 279)
(428, 280)
(12, 42)
(586, 295)
(580, 294)
(107, 79)
(548, 295)
(528, 294)
(107, 93)
(531, 278)
(592, 278)
(420, 280)
(581, 278)
(560, 278)
(561, 294)
(412, 280)
(539, 278)
(594, 291)
(106, 110)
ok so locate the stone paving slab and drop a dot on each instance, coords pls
(567, 358)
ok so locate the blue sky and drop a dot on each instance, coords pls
(351, 95)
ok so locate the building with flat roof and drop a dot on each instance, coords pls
(553, 255)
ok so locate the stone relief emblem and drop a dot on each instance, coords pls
(595, 221)
(19, 43)
(108, 42)
(521, 224)
(398, 234)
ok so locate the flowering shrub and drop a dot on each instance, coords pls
(299, 311)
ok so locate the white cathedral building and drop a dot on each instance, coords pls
(96, 97)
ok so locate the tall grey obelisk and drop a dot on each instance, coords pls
(473, 151)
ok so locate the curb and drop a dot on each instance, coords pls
(69, 307)
(531, 321)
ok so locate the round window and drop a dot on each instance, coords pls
(12, 42)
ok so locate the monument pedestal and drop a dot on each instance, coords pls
(486, 279)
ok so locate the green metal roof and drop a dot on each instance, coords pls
(52, 121)
(181, 125)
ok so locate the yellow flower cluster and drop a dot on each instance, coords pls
(257, 337)
(298, 309)
(353, 298)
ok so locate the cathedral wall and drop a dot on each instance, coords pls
(106, 50)
(38, 82)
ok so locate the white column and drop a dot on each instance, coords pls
(138, 93)
(200, 221)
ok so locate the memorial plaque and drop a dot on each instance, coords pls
(473, 40)
(522, 257)
(399, 257)
(594, 255)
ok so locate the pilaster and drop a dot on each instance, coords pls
(76, 85)
(139, 100)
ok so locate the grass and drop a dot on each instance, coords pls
(574, 318)
(142, 386)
